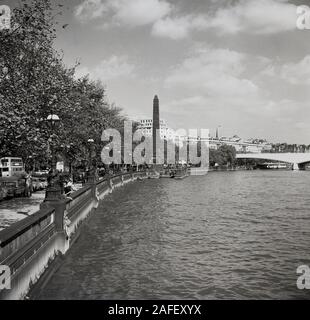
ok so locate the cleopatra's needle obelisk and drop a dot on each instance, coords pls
(156, 125)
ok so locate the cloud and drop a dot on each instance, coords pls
(175, 29)
(294, 73)
(224, 86)
(255, 17)
(131, 13)
(182, 104)
(166, 20)
(268, 71)
(140, 12)
(214, 72)
(90, 9)
(179, 27)
(109, 69)
(245, 16)
(219, 82)
(275, 108)
(297, 73)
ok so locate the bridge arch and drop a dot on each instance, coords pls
(296, 159)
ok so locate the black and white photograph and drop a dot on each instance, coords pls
(154, 150)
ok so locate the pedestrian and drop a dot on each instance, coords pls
(66, 224)
(69, 188)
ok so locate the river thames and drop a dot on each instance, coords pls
(226, 235)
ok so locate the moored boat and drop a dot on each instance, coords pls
(181, 173)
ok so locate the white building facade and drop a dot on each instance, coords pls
(146, 128)
(241, 145)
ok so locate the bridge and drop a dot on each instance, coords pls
(296, 159)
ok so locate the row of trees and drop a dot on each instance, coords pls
(224, 155)
(34, 82)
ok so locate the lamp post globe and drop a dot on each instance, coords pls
(53, 121)
(91, 173)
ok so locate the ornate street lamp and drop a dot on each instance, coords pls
(54, 188)
(53, 123)
(91, 169)
(27, 163)
(69, 151)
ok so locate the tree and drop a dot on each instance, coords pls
(224, 155)
(34, 82)
(31, 73)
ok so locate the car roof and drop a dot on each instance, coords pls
(10, 179)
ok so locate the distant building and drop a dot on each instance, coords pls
(146, 127)
(241, 145)
(245, 146)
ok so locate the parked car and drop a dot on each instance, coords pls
(17, 186)
(36, 184)
(41, 173)
(3, 191)
(43, 183)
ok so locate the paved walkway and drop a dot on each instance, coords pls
(16, 209)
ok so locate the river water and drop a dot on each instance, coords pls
(227, 235)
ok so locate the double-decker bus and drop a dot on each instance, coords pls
(10, 167)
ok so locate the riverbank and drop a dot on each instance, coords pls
(219, 236)
(29, 246)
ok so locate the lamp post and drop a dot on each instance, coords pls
(34, 155)
(69, 149)
(67, 152)
(31, 163)
(91, 169)
(53, 190)
(27, 164)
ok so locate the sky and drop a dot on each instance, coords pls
(239, 64)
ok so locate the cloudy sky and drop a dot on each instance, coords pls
(241, 64)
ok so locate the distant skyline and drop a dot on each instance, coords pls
(241, 64)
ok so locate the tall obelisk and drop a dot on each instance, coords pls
(156, 125)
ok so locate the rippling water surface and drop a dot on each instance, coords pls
(230, 235)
